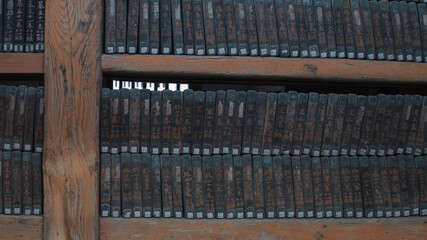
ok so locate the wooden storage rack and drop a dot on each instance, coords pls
(73, 65)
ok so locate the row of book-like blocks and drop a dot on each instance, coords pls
(21, 118)
(21, 144)
(145, 185)
(230, 122)
(22, 25)
(21, 183)
(360, 29)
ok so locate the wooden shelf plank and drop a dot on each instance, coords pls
(321, 70)
(21, 227)
(384, 228)
(22, 63)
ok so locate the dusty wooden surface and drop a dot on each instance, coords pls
(21, 227)
(321, 70)
(72, 86)
(331, 229)
(22, 63)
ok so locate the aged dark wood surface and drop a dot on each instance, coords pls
(332, 229)
(317, 70)
(21, 227)
(72, 90)
(22, 63)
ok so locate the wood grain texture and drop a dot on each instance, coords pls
(255, 68)
(22, 63)
(21, 227)
(72, 91)
(331, 229)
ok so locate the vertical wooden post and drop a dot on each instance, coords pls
(72, 89)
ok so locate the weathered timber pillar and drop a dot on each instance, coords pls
(72, 87)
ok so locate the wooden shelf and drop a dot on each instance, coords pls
(384, 228)
(255, 68)
(22, 63)
(21, 227)
(72, 66)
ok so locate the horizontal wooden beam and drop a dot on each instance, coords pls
(385, 228)
(22, 63)
(21, 227)
(256, 68)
